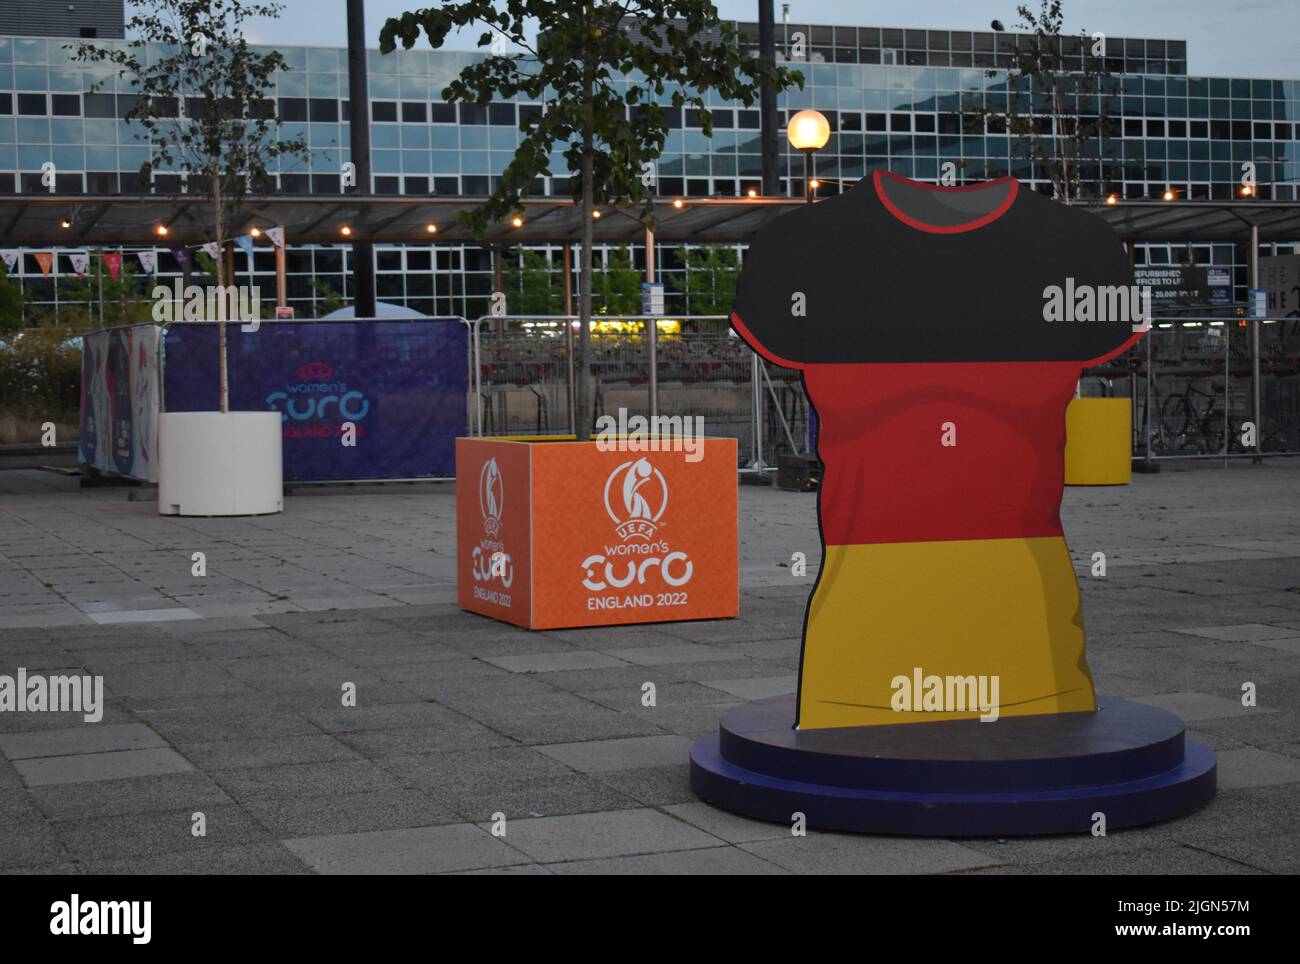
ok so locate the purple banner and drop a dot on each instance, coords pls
(402, 386)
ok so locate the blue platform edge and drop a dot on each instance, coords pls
(1024, 812)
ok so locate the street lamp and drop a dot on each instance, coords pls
(808, 131)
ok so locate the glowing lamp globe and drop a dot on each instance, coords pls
(808, 130)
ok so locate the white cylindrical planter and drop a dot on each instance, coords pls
(219, 463)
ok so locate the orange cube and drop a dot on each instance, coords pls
(553, 534)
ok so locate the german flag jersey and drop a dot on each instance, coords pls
(922, 319)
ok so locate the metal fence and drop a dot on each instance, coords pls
(526, 377)
(1193, 384)
(1190, 380)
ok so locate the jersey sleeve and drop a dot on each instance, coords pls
(1104, 264)
(782, 278)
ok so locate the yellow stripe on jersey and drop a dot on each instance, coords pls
(987, 607)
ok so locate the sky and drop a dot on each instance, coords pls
(1225, 38)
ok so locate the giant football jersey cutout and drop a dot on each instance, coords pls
(916, 314)
(919, 317)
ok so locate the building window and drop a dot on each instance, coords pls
(31, 105)
(324, 110)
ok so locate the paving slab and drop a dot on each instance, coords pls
(730, 827)
(240, 859)
(1191, 707)
(349, 813)
(713, 861)
(145, 834)
(168, 614)
(1273, 853)
(819, 853)
(653, 786)
(420, 850)
(1239, 632)
(1149, 861)
(757, 687)
(590, 836)
(29, 842)
(1252, 767)
(1289, 644)
(674, 653)
(603, 756)
(555, 662)
(87, 738)
(88, 767)
(181, 790)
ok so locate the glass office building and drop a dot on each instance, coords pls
(895, 99)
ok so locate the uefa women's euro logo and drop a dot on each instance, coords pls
(491, 496)
(312, 397)
(640, 493)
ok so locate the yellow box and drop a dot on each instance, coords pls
(1099, 441)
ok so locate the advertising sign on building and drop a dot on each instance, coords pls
(1279, 277)
(652, 299)
(1257, 302)
(1219, 281)
(1173, 284)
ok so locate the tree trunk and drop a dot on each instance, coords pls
(1062, 145)
(582, 368)
(221, 275)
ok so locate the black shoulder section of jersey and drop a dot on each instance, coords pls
(844, 281)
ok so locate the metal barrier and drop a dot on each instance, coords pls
(526, 378)
(402, 376)
(1194, 389)
(1190, 381)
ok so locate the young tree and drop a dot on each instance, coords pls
(204, 105)
(121, 298)
(619, 286)
(12, 299)
(711, 275)
(611, 131)
(1058, 103)
(329, 298)
(534, 288)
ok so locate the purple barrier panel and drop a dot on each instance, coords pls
(401, 384)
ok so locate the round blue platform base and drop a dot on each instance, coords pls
(1018, 776)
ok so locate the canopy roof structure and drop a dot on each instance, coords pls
(32, 220)
(1202, 220)
(36, 220)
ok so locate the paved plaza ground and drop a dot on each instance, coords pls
(223, 692)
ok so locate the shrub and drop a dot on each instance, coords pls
(40, 381)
